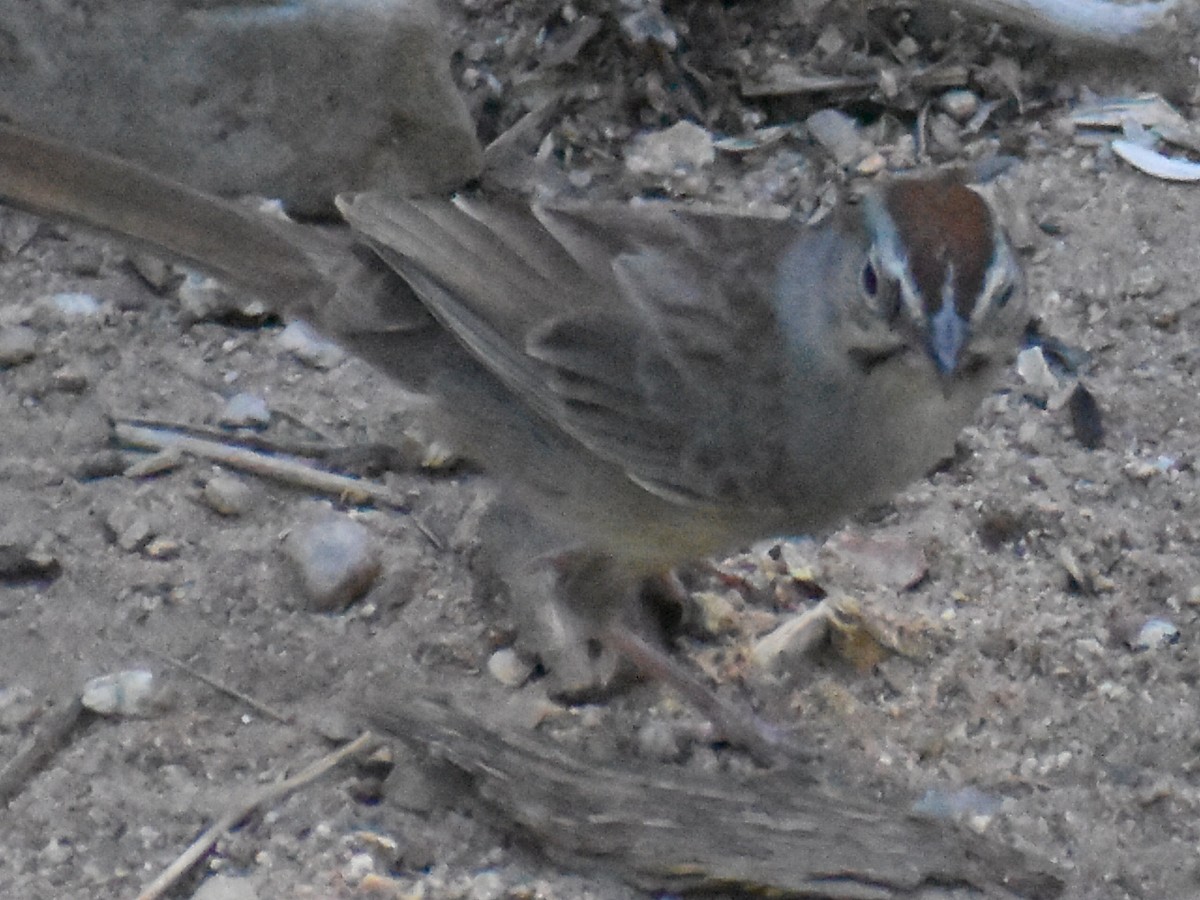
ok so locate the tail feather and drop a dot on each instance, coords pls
(276, 260)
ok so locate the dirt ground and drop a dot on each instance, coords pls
(1045, 559)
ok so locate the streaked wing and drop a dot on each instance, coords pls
(645, 332)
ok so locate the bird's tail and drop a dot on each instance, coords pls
(275, 259)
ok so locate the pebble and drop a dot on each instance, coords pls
(75, 304)
(507, 667)
(227, 495)
(130, 527)
(968, 805)
(682, 148)
(359, 867)
(153, 270)
(202, 298)
(162, 548)
(336, 560)
(1146, 281)
(657, 740)
(647, 24)
(831, 42)
(487, 885)
(18, 344)
(717, 615)
(68, 380)
(128, 693)
(959, 104)
(22, 559)
(838, 134)
(56, 854)
(944, 133)
(300, 340)
(225, 887)
(245, 411)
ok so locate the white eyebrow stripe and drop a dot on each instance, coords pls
(1001, 265)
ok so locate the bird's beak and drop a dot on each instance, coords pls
(948, 332)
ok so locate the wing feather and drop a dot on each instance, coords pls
(647, 333)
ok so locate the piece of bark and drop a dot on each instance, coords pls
(1080, 21)
(663, 829)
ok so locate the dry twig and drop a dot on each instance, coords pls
(290, 471)
(257, 705)
(270, 794)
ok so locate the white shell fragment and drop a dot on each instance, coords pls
(1035, 371)
(1147, 110)
(1155, 634)
(128, 693)
(1152, 162)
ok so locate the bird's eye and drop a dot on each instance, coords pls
(1004, 296)
(883, 294)
(870, 281)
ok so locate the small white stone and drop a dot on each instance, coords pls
(227, 495)
(359, 867)
(507, 667)
(128, 693)
(75, 304)
(1035, 372)
(838, 134)
(226, 887)
(299, 339)
(245, 411)
(959, 104)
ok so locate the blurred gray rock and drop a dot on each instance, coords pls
(296, 100)
(335, 558)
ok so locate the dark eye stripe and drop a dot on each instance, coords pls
(867, 359)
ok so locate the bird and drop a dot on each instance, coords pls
(649, 383)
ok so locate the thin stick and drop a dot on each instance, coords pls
(256, 705)
(789, 83)
(270, 794)
(289, 471)
(311, 449)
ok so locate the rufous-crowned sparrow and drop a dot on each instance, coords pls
(648, 383)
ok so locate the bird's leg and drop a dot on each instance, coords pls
(765, 743)
(582, 576)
